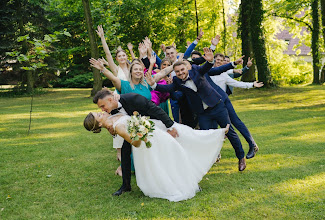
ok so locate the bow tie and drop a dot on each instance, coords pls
(184, 81)
(115, 111)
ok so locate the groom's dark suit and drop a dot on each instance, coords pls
(134, 102)
(215, 113)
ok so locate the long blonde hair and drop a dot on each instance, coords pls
(142, 81)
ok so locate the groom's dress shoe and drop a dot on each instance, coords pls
(122, 190)
(242, 164)
(252, 151)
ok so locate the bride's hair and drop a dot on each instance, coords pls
(91, 124)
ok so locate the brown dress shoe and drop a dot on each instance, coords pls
(242, 164)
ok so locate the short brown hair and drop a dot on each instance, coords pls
(219, 55)
(166, 59)
(178, 63)
(170, 47)
(101, 94)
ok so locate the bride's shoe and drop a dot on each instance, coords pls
(118, 171)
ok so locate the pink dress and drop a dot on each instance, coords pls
(158, 97)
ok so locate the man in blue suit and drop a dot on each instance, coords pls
(203, 99)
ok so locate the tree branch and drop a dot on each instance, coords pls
(294, 19)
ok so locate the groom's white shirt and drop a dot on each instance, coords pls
(122, 110)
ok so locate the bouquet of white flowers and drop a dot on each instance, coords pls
(140, 127)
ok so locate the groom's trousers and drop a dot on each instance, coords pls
(218, 115)
(126, 164)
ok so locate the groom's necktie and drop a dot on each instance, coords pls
(115, 111)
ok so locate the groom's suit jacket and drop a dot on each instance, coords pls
(205, 91)
(134, 102)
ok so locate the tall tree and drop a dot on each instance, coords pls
(322, 2)
(315, 40)
(245, 11)
(93, 47)
(258, 42)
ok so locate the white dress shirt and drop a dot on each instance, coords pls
(224, 79)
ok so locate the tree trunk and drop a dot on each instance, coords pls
(24, 49)
(93, 47)
(315, 41)
(197, 20)
(224, 35)
(244, 17)
(258, 43)
(322, 3)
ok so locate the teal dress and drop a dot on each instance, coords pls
(139, 89)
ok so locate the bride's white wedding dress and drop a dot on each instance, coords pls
(173, 167)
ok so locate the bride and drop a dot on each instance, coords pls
(172, 168)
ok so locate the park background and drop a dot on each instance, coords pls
(51, 167)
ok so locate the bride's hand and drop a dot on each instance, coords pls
(173, 132)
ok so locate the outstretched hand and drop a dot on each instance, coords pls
(208, 54)
(142, 49)
(150, 80)
(240, 60)
(163, 47)
(130, 46)
(249, 62)
(258, 84)
(147, 42)
(100, 31)
(152, 59)
(200, 34)
(215, 40)
(96, 64)
(102, 60)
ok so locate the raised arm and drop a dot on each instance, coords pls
(190, 48)
(163, 73)
(130, 47)
(109, 57)
(208, 56)
(218, 70)
(248, 65)
(100, 66)
(245, 85)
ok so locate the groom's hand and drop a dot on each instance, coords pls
(173, 132)
(111, 130)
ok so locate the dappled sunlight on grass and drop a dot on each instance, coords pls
(311, 185)
(318, 137)
(24, 144)
(47, 114)
(40, 136)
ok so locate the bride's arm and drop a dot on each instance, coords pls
(121, 130)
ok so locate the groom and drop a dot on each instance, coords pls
(204, 100)
(128, 103)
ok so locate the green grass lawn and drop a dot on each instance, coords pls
(63, 171)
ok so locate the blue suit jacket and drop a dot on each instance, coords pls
(205, 91)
